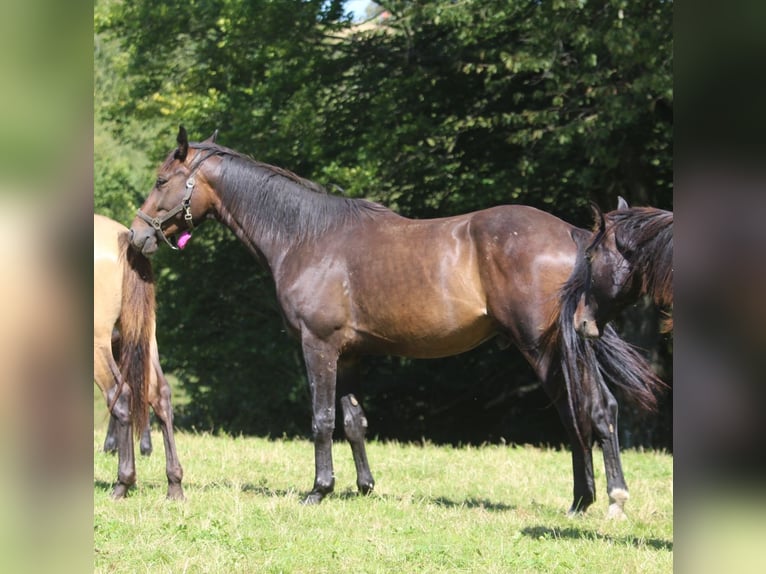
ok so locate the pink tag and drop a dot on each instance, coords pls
(183, 239)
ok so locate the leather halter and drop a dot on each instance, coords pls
(185, 206)
(158, 222)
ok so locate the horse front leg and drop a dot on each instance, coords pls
(604, 417)
(322, 366)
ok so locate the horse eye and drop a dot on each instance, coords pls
(160, 182)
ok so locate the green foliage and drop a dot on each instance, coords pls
(443, 107)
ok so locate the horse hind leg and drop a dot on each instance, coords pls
(584, 489)
(126, 467)
(355, 427)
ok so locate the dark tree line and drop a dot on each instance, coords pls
(434, 108)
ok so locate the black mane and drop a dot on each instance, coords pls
(645, 237)
(298, 210)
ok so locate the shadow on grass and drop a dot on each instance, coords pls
(583, 534)
(103, 485)
(348, 494)
(473, 503)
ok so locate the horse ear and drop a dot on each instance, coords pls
(621, 203)
(183, 144)
(599, 215)
(212, 138)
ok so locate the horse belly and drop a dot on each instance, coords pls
(426, 327)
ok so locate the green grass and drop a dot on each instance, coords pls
(434, 509)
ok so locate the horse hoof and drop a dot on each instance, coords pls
(119, 492)
(616, 512)
(313, 498)
(366, 488)
(617, 499)
(175, 492)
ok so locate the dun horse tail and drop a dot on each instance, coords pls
(588, 365)
(137, 319)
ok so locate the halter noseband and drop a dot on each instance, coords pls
(185, 206)
(158, 222)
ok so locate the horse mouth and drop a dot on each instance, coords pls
(589, 329)
(149, 246)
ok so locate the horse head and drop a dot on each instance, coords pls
(180, 199)
(607, 278)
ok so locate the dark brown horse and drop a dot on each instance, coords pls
(353, 278)
(629, 256)
(123, 297)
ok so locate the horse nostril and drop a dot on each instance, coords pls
(130, 235)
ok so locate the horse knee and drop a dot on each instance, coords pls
(323, 424)
(121, 407)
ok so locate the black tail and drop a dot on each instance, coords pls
(588, 364)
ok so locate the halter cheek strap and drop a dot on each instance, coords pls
(158, 222)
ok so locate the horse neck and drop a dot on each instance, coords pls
(271, 211)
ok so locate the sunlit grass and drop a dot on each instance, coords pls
(434, 509)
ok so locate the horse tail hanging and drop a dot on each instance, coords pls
(137, 316)
(588, 365)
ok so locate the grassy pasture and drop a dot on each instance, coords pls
(434, 509)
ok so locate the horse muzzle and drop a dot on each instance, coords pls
(144, 240)
(588, 329)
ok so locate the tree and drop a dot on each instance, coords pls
(440, 108)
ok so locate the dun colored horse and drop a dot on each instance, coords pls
(123, 297)
(110, 442)
(629, 256)
(354, 278)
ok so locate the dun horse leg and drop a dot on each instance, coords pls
(126, 466)
(322, 365)
(145, 446)
(110, 442)
(355, 426)
(604, 419)
(163, 408)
